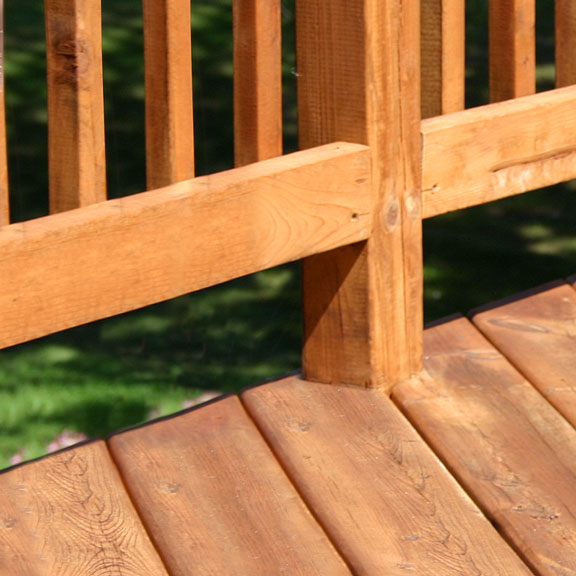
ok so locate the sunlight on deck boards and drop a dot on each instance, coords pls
(296, 477)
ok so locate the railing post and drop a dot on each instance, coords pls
(359, 81)
(77, 159)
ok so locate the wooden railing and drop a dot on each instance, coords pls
(350, 204)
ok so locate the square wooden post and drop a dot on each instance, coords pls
(359, 81)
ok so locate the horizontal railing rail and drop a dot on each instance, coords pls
(83, 265)
(498, 150)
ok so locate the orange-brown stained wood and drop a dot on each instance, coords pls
(216, 501)
(358, 80)
(257, 80)
(168, 83)
(495, 151)
(512, 49)
(381, 495)
(69, 515)
(443, 56)
(537, 332)
(127, 253)
(77, 163)
(565, 42)
(512, 452)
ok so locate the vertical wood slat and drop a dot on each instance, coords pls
(4, 188)
(443, 56)
(168, 80)
(565, 43)
(512, 49)
(257, 80)
(77, 163)
(359, 74)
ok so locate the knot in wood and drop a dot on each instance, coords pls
(72, 59)
(392, 215)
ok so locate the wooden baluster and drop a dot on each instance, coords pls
(443, 56)
(512, 49)
(359, 77)
(169, 107)
(565, 43)
(77, 162)
(4, 189)
(257, 80)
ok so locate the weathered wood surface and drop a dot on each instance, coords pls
(358, 80)
(442, 51)
(213, 497)
(512, 48)
(513, 453)
(536, 331)
(382, 497)
(77, 162)
(499, 150)
(257, 80)
(124, 254)
(69, 515)
(168, 78)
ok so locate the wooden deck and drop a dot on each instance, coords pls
(295, 477)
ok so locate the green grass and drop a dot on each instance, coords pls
(117, 372)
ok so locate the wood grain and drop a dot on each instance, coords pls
(214, 498)
(499, 150)
(124, 254)
(512, 49)
(168, 84)
(77, 163)
(257, 80)
(513, 453)
(383, 498)
(443, 56)
(565, 42)
(536, 331)
(69, 515)
(358, 80)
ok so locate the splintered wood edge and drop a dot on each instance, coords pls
(499, 150)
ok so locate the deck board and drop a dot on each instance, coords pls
(213, 496)
(511, 450)
(69, 515)
(536, 331)
(301, 478)
(387, 503)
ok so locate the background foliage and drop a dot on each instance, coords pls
(119, 372)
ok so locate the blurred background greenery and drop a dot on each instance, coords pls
(121, 371)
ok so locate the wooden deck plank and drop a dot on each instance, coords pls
(506, 445)
(213, 496)
(381, 495)
(69, 515)
(536, 331)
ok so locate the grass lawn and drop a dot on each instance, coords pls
(122, 371)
